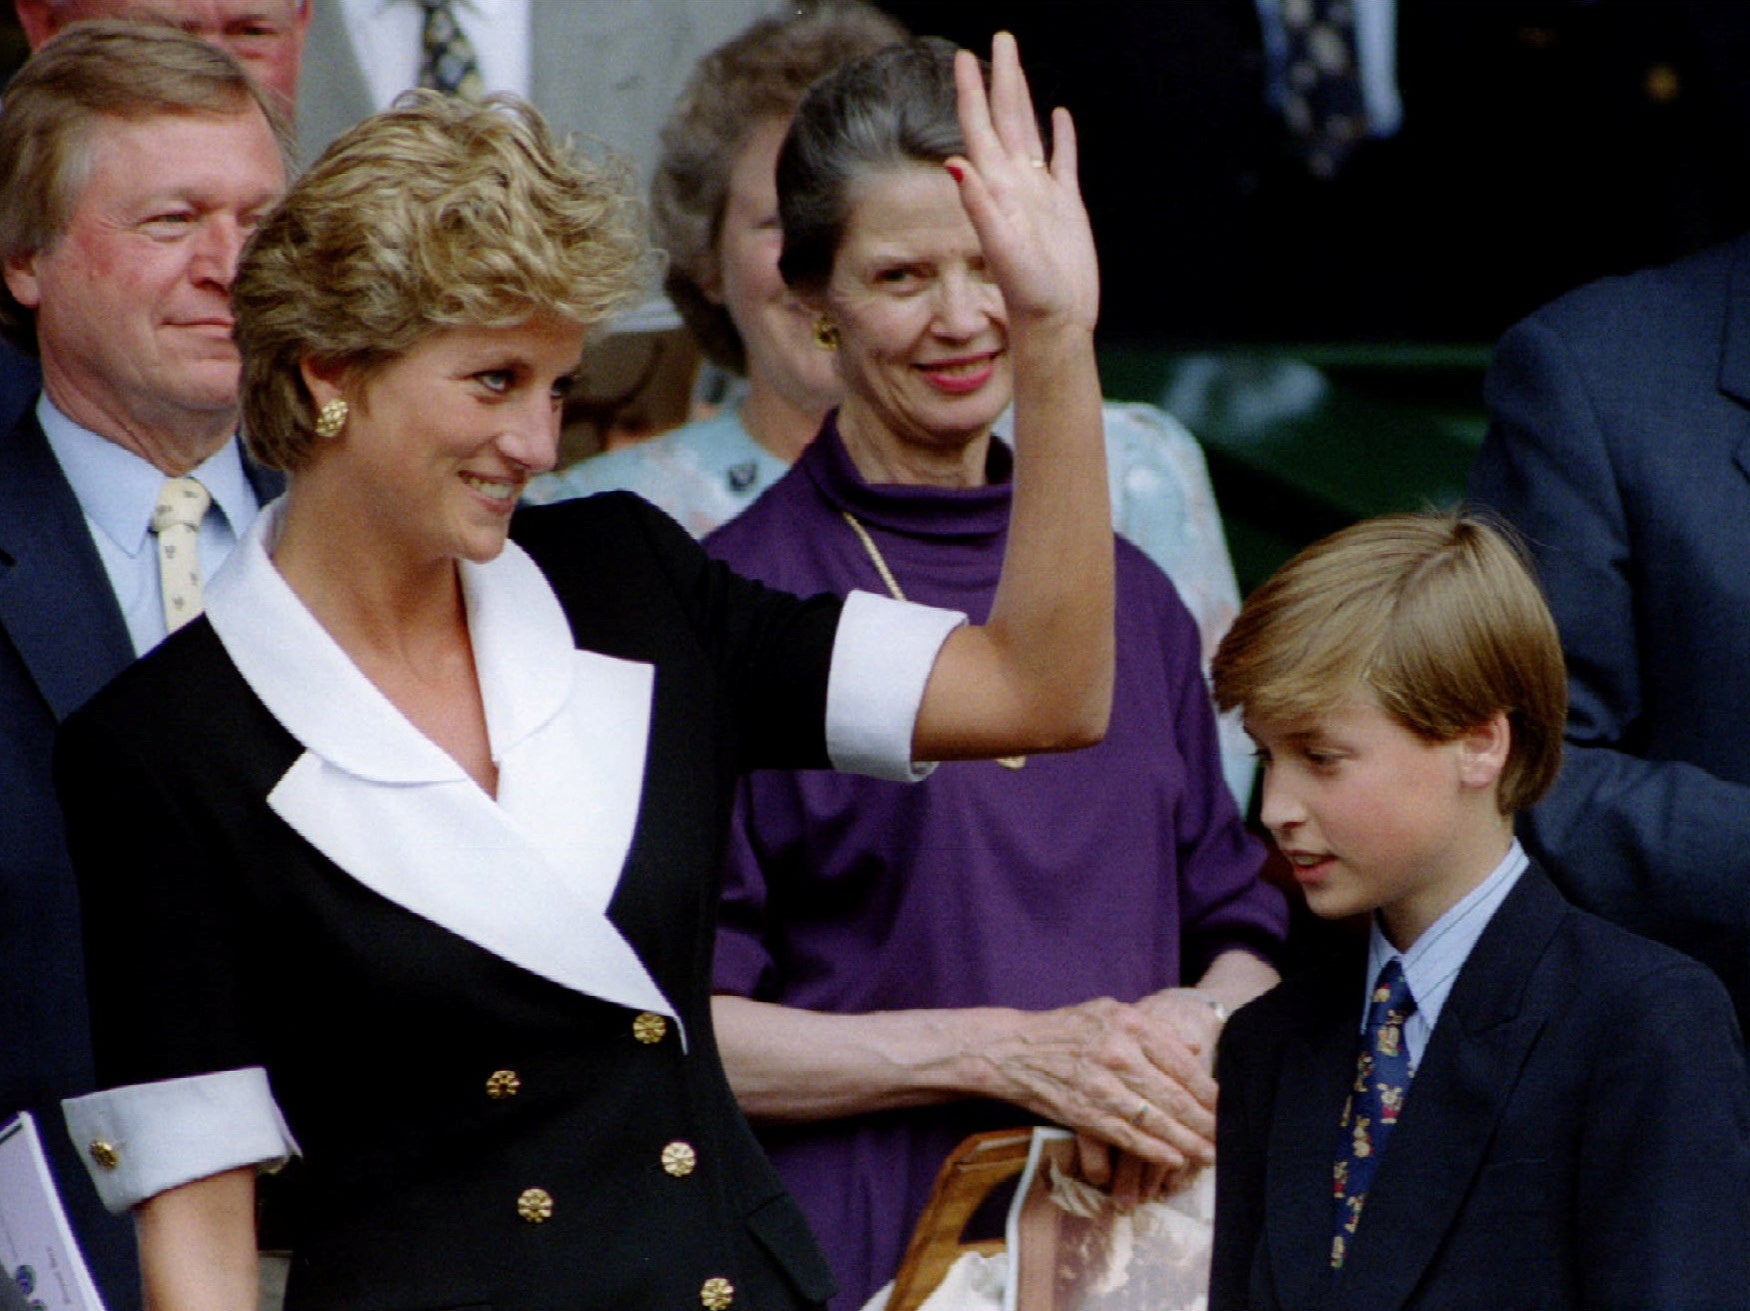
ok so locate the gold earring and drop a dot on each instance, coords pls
(826, 336)
(331, 418)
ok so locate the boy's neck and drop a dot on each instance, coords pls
(1406, 919)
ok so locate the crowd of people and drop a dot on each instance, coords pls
(571, 911)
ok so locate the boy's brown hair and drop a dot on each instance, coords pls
(1436, 616)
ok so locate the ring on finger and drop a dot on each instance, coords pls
(1038, 163)
(1141, 1112)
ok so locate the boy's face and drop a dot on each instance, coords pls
(1372, 817)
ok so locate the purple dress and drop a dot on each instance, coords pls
(1115, 871)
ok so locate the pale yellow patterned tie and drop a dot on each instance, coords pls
(176, 520)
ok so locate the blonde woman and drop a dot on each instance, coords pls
(439, 797)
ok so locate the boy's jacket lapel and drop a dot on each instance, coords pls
(1465, 1080)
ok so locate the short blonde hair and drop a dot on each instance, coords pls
(759, 75)
(1435, 615)
(434, 214)
(122, 72)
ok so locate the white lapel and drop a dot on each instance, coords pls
(528, 876)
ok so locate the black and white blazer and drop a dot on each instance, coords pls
(482, 1021)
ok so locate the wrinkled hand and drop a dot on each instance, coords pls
(1132, 1179)
(1025, 206)
(1188, 1013)
(1120, 1076)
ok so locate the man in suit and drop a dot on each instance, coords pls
(119, 285)
(605, 68)
(1501, 1100)
(1620, 448)
(267, 38)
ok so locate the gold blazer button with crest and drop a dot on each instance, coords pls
(535, 1205)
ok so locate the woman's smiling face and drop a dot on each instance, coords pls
(923, 333)
(442, 440)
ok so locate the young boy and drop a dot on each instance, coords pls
(1501, 1101)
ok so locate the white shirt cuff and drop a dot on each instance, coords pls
(139, 1140)
(881, 661)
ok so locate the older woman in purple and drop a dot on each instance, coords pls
(1044, 938)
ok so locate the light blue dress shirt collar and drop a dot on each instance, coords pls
(117, 491)
(1432, 963)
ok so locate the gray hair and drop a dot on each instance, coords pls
(889, 109)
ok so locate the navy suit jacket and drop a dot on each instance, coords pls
(62, 637)
(1577, 1134)
(21, 379)
(1620, 448)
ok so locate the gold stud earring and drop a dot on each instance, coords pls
(826, 336)
(331, 418)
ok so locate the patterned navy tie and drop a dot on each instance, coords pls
(447, 61)
(1382, 1077)
(1322, 101)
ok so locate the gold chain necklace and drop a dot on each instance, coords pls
(880, 563)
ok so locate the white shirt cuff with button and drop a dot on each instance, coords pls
(881, 659)
(139, 1140)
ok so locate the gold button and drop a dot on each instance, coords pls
(679, 1159)
(649, 1028)
(503, 1083)
(1663, 85)
(717, 1294)
(105, 1154)
(535, 1205)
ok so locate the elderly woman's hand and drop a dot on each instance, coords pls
(1190, 1014)
(1132, 1179)
(1120, 1075)
(1025, 206)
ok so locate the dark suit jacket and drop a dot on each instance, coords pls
(1620, 449)
(61, 638)
(1577, 1134)
(235, 941)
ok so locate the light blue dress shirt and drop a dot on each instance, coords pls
(1432, 963)
(117, 491)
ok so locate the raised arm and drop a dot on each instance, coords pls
(1038, 674)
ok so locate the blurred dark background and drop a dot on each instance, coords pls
(1543, 144)
(1326, 339)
